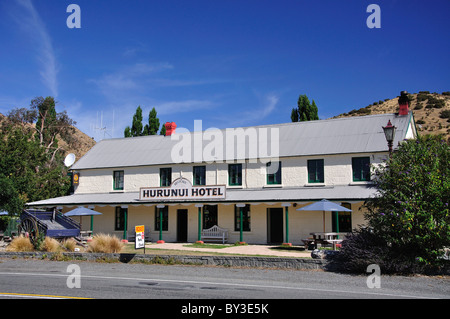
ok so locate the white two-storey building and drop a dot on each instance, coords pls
(213, 177)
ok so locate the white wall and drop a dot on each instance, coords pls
(337, 169)
(301, 223)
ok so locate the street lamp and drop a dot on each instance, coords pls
(389, 133)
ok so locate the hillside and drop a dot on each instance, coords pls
(79, 144)
(431, 111)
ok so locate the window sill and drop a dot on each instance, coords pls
(235, 186)
(360, 183)
(273, 186)
(315, 185)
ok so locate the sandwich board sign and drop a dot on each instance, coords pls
(140, 237)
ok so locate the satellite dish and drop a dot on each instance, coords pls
(69, 160)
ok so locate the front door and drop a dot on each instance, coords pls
(275, 225)
(182, 225)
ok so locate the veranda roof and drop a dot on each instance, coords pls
(300, 194)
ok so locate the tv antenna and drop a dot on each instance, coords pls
(102, 128)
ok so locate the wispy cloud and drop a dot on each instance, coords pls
(270, 104)
(267, 105)
(30, 22)
(174, 107)
(131, 77)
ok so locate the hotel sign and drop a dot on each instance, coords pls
(182, 189)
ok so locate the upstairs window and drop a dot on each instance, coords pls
(165, 176)
(273, 173)
(361, 169)
(316, 171)
(118, 180)
(199, 175)
(235, 174)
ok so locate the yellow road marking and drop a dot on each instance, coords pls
(39, 296)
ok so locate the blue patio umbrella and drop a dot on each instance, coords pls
(3, 213)
(81, 211)
(325, 205)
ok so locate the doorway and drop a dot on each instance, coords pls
(274, 225)
(182, 225)
(209, 216)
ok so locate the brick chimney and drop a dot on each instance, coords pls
(170, 128)
(403, 103)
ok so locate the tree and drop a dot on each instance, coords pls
(22, 115)
(314, 111)
(305, 111)
(294, 115)
(163, 130)
(31, 165)
(136, 126)
(127, 132)
(49, 125)
(137, 129)
(153, 123)
(25, 172)
(10, 200)
(411, 209)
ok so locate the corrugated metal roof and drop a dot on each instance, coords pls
(363, 134)
(343, 192)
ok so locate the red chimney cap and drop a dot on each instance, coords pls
(170, 128)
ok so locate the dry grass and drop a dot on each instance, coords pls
(20, 244)
(103, 243)
(50, 245)
(69, 244)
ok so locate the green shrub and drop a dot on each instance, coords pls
(363, 248)
(411, 209)
(445, 114)
(422, 97)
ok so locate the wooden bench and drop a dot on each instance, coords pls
(132, 235)
(215, 233)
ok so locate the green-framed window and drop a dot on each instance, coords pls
(165, 176)
(165, 218)
(235, 174)
(199, 173)
(316, 171)
(246, 225)
(361, 169)
(273, 173)
(120, 218)
(341, 222)
(118, 180)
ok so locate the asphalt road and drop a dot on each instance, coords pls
(26, 278)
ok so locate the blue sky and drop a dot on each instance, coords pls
(228, 63)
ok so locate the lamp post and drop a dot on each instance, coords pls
(389, 133)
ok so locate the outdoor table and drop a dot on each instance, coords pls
(334, 242)
(85, 233)
(323, 237)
